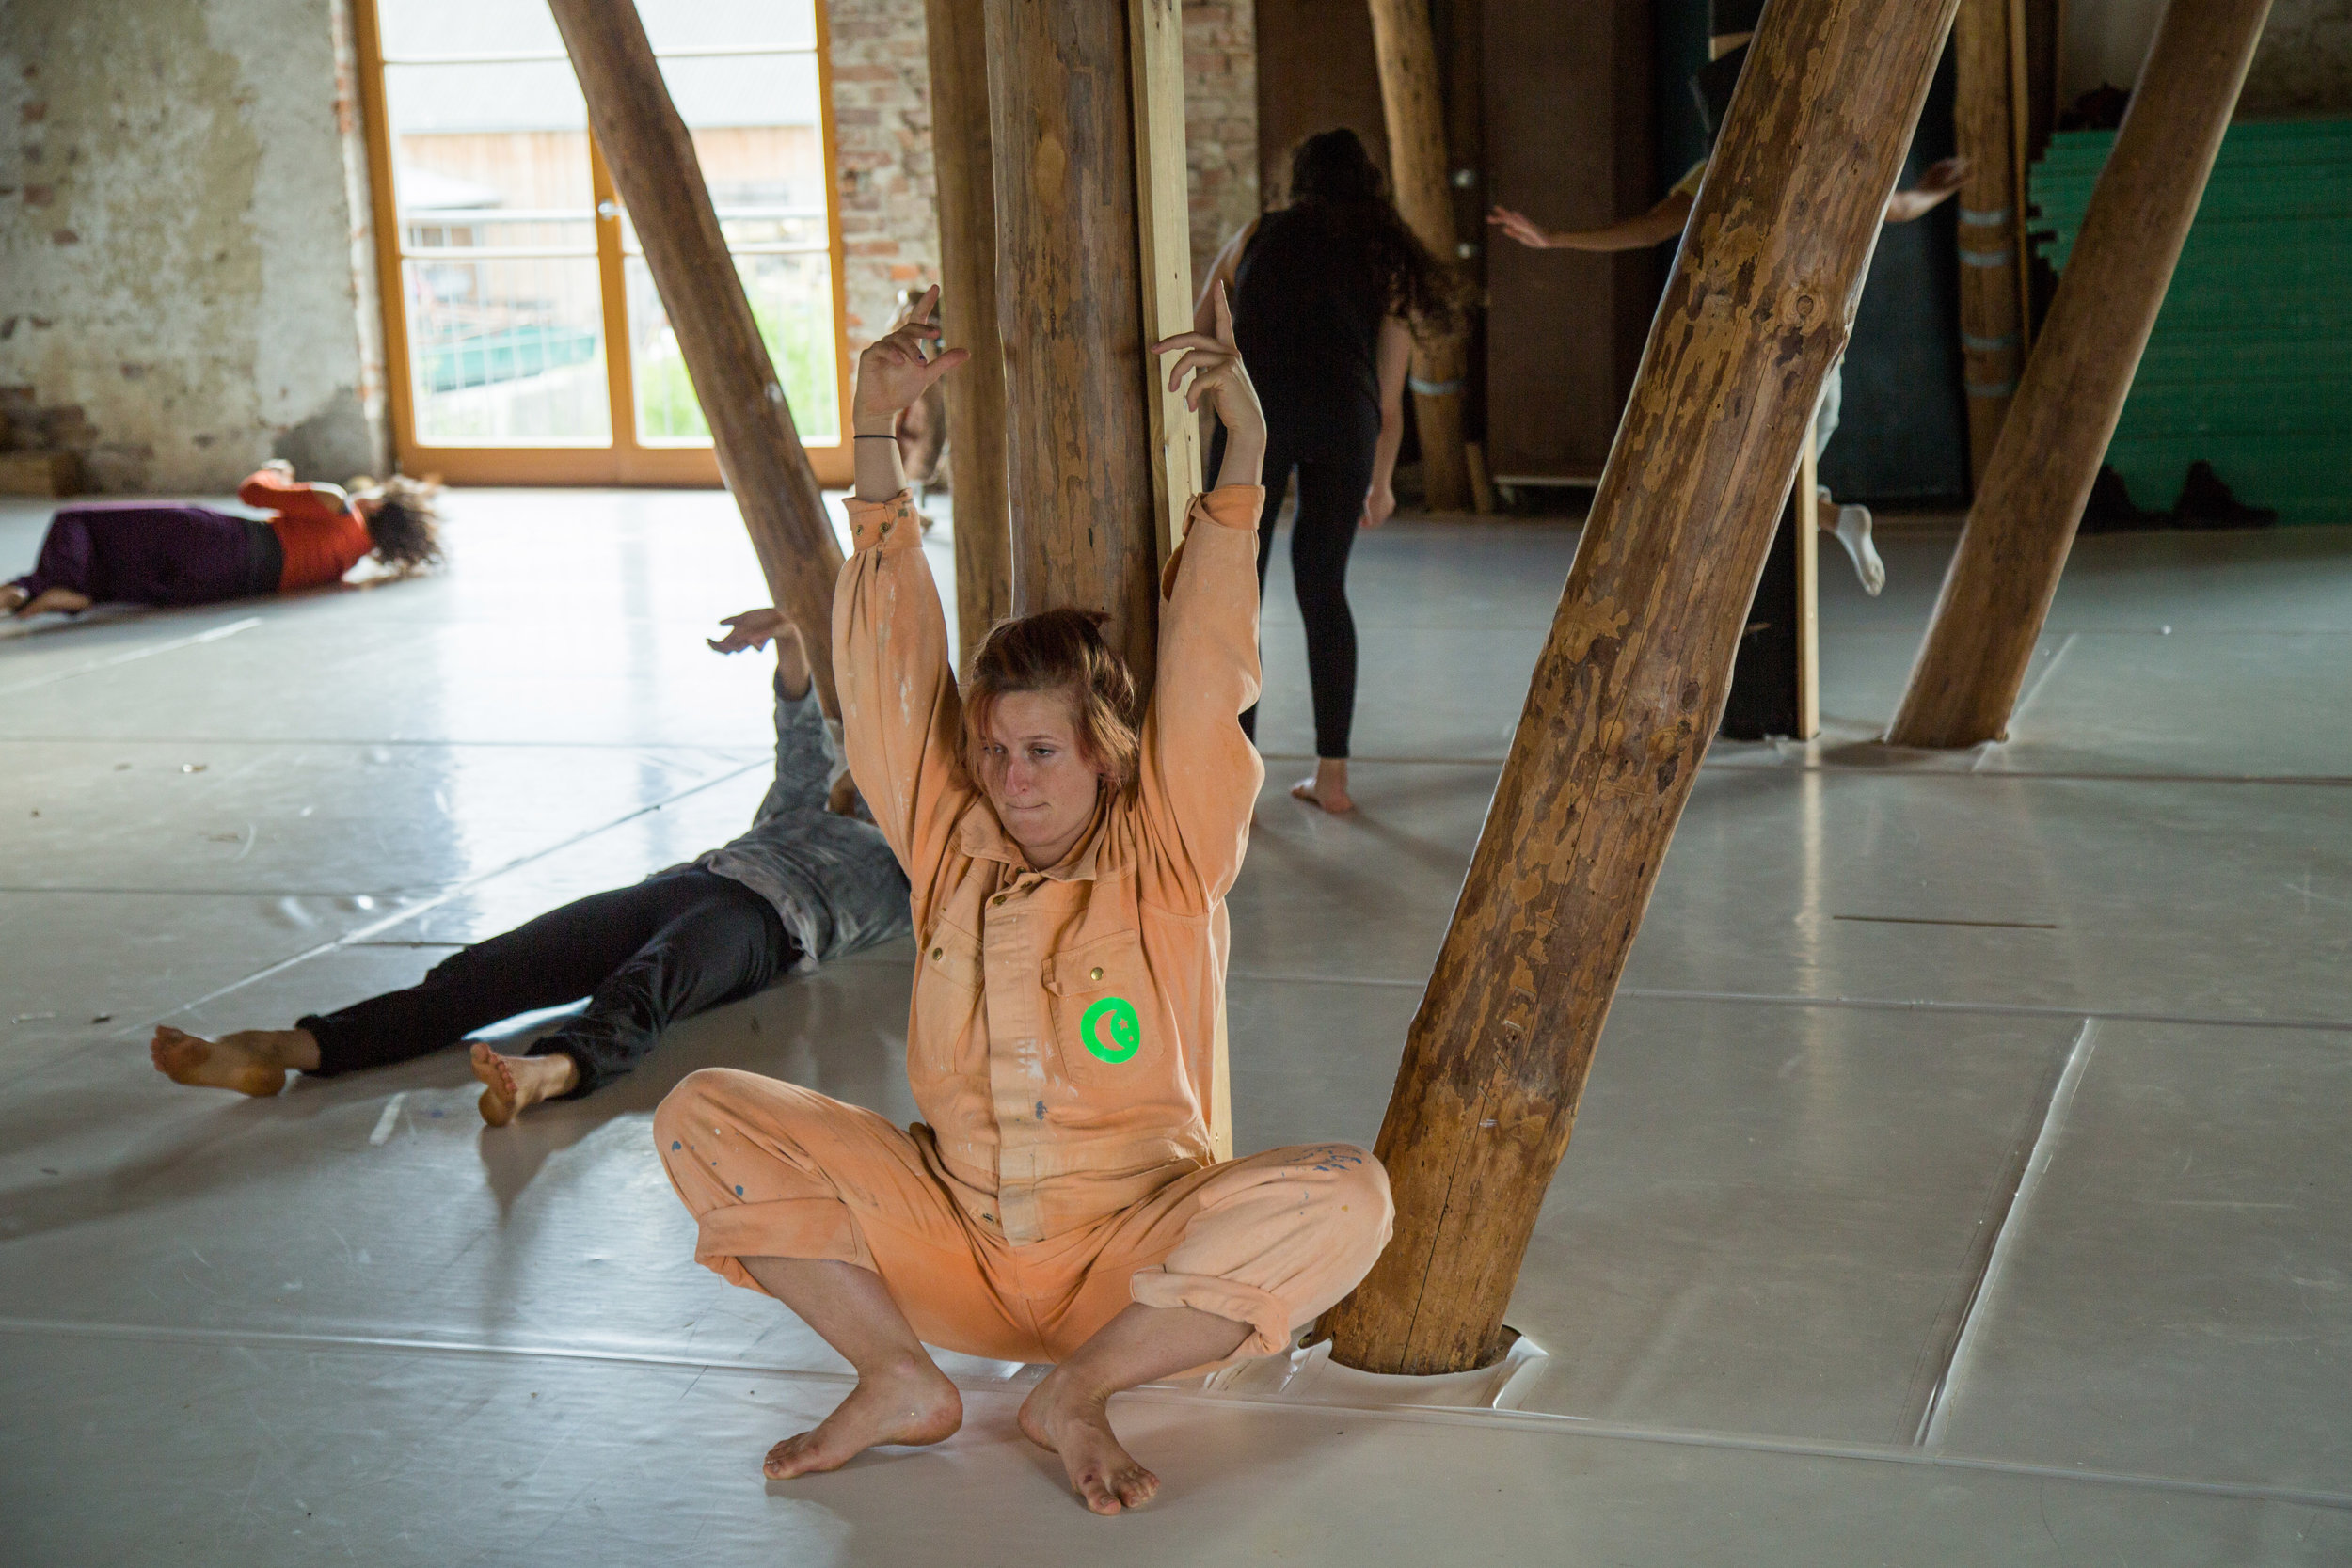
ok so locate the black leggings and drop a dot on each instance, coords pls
(645, 957)
(1332, 478)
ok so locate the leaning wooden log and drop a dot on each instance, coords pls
(1630, 684)
(651, 155)
(1997, 594)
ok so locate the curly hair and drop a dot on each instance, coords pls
(406, 522)
(1332, 176)
(1060, 651)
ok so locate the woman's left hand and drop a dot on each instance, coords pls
(1214, 362)
(754, 628)
(1380, 506)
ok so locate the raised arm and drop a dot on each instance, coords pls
(1221, 276)
(901, 719)
(276, 488)
(1200, 775)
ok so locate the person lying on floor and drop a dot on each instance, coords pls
(808, 884)
(175, 553)
(1070, 851)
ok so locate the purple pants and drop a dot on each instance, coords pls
(161, 555)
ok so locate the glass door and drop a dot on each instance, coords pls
(525, 340)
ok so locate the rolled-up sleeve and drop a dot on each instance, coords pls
(1200, 775)
(900, 715)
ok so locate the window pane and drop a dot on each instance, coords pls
(792, 299)
(489, 155)
(729, 23)
(467, 27)
(507, 351)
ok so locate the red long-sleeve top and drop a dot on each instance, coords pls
(321, 540)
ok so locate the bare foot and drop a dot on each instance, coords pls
(251, 1061)
(913, 1404)
(1327, 788)
(64, 599)
(12, 597)
(513, 1085)
(1064, 1420)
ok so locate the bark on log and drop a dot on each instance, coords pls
(1630, 684)
(1991, 325)
(967, 270)
(1070, 311)
(1406, 50)
(1997, 592)
(646, 145)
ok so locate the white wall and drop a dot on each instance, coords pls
(184, 237)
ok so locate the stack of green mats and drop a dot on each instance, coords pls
(2251, 364)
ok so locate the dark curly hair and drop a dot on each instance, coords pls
(404, 523)
(1334, 177)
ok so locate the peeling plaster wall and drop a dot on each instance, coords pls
(2303, 65)
(183, 254)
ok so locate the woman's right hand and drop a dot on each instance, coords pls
(1520, 228)
(1219, 378)
(892, 372)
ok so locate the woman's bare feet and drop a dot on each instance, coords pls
(12, 598)
(1327, 788)
(513, 1085)
(1063, 1418)
(910, 1402)
(62, 600)
(251, 1061)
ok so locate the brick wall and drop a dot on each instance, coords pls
(882, 123)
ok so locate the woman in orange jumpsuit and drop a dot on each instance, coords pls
(1068, 859)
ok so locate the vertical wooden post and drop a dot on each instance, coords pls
(1070, 310)
(1991, 302)
(1407, 53)
(646, 145)
(1996, 592)
(1631, 682)
(967, 265)
(1155, 34)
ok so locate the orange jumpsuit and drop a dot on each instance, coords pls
(1059, 1039)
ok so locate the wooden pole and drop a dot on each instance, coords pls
(1070, 307)
(654, 169)
(1992, 302)
(967, 267)
(1996, 592)
(1155, 33)
(1406, 51)
(1631, 682)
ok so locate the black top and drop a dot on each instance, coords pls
(1308, 305)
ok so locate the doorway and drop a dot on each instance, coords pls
(524, 340)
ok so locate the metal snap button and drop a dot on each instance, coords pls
(1096, 974)
(938, 952)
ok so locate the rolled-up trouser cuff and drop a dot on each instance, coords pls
(1265, 1317)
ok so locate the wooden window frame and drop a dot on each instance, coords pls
(627, 461)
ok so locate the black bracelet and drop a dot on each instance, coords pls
(862, 435)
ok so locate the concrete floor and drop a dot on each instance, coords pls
(1794, 1314)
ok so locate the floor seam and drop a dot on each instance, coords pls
(1531, 1421)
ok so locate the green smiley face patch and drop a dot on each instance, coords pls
(1111, 1030)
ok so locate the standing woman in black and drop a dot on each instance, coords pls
(1326, 295)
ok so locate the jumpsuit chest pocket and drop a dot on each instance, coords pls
(1106, 1022)
(946, 995)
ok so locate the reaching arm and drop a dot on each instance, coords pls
(1660, 223)
(1934, 188)
(276, 488)
(1394, 357)
(900, 715)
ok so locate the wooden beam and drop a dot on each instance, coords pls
(1155, 33)
(1069, 308)
(1406, 51)
(967, 267)
(1997, 592)
(651, 155)
(1992, 302)
(1630, 684)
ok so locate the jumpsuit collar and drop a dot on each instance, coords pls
(982, 837)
